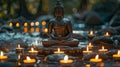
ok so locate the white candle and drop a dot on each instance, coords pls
(103, 49)
(87, 51)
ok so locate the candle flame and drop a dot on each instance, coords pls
(18, 45)
(118, 52)
(18, 56)
(32, 49)
(28, 58)
(107, 34)
(58, 49)
(1, 53)
(10, 24)
(45, 30)
(102, 47)
(25, 24)
(87, 48)
(91, 32)
(43, 23)
(66, 57)
(97, 56)
(17, 24)
(90, 44)
(37, 23)
(32, 23)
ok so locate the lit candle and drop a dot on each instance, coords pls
(32, 51)
(17, 24)
(58, 51)
(37, 23)
(117, 55)
(25, 24)
(25, 29)
(91, 34)
(37, 30)
(43, 23)
(90, 45)
(2, 56)
(103, 49)
(45, 30)
(10, 24)
(32, 23)
(107, 34)
(66, 60)
(19, 49)
(28, 60)
(31, 29)
(87, 51)
(96, 59)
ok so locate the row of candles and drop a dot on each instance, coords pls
(66, 58)
(32, 26)
(91, 34)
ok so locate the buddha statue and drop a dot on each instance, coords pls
(60, 29)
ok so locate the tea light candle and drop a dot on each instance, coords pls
(37, 23)
(32, 29)
(43, 23)
(45, 30)
(90, 45)
(117, 55)
(32, 51)
(66, 60)
(32, 24)
(25, 29)
(37, 30)
(17, 24)
(28, 60)
(96, 59)
(58, 51)
(19, 49)
(25, 24)
(107, 34)
(2, 56)
(91, 34)
(10, 24)
(87, 51)
(103, 49)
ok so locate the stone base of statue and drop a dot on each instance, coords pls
(70, 43)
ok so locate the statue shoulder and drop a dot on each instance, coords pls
(52, 20)
(66, 20)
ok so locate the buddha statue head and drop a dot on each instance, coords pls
(58, 10)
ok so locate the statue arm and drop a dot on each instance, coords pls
(50, 26)
(69, 28)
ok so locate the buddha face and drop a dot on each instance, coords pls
(58, 13)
